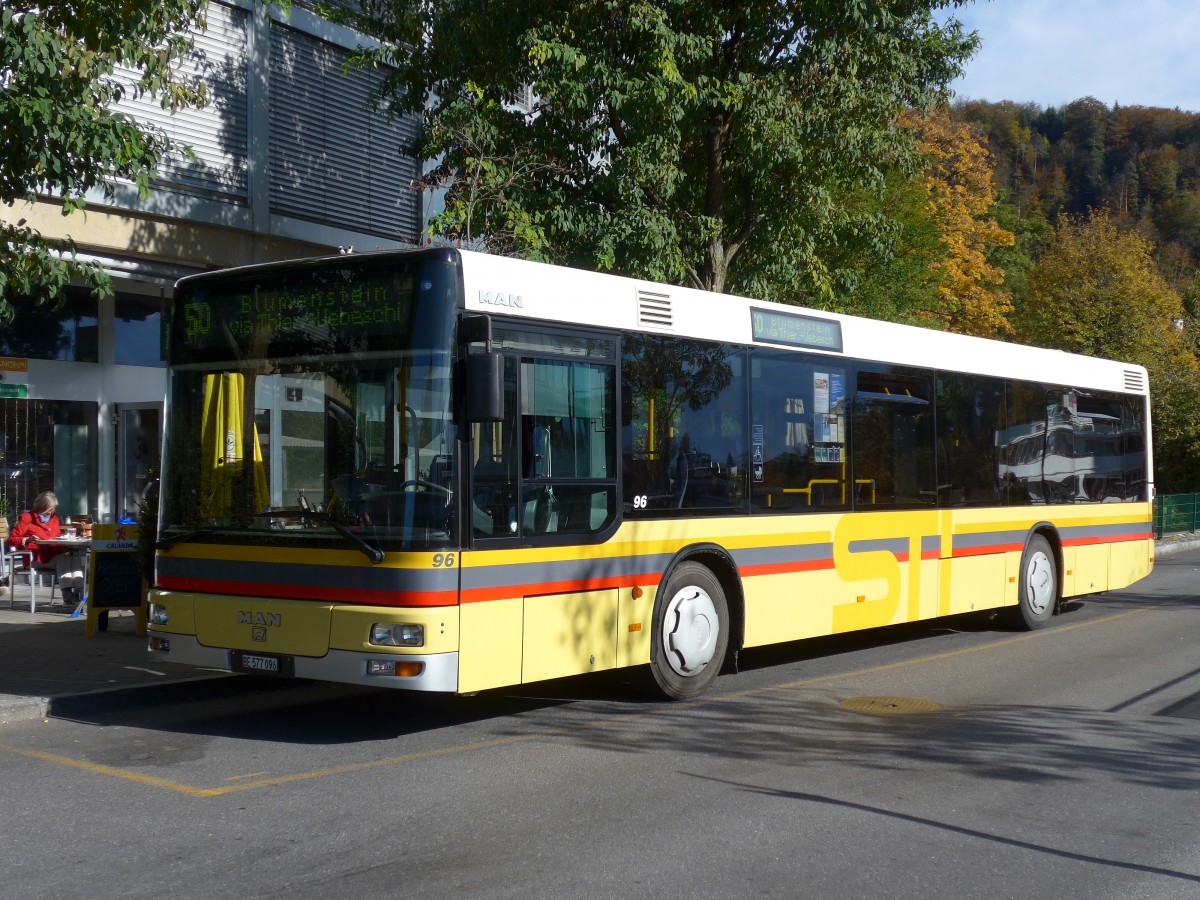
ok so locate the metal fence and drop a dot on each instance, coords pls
(1176, 512)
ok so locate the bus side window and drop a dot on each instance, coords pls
(1022, 445)
(893, 440)
(970, 413)
(567, 447)
(798, 415)
(683, 426)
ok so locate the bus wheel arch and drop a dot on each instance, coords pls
(696, 624)
(1039, 583)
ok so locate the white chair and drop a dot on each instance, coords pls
(10, 562)
(34, 576)
(14, 563)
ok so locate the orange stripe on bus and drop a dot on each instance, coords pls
(785, 568)
(503, 592)
(1124, 538)
(986, 551)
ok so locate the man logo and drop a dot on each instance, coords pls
(266, 620)
(499, 298)
(258, 633)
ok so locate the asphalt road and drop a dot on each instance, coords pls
(949, 760)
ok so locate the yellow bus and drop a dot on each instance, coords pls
(444, 471)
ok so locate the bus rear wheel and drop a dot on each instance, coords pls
(691, 618)
(1037, 592)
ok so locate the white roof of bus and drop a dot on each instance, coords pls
(579, 297)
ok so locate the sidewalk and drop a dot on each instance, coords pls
(48, 666)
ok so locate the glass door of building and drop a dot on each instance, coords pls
(139, 451)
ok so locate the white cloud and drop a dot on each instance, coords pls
(1051, 52)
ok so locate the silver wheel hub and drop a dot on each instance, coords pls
(1039, 583)
(690, 631)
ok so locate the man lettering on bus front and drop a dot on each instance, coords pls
(40, 524)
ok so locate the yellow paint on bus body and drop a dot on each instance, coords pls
(490, 655)
(802, 577)
(569, 634)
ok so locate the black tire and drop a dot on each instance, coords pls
(691, 633)
(1037, 588)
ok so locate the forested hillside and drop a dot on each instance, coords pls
(1142, 164)
(1104, 208)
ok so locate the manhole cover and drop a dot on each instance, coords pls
(890, 706)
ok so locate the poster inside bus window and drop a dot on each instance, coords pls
(829, 393)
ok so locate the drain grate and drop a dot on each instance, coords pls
(890, 706)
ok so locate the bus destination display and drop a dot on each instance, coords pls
(796, 330)
(373, 306)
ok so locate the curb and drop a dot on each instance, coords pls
(1173, 547)
(23, 709)
(203, 687)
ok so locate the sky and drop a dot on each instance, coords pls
(1050, 52)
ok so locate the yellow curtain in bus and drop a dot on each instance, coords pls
(221, 447)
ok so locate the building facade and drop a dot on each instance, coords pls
(288, 162)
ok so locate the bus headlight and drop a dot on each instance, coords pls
(386, 635)
(158, 614)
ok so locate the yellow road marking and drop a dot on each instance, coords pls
(191, 791)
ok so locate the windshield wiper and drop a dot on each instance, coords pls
(370, 551)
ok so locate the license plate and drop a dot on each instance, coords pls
(263, 664)
(260, 663)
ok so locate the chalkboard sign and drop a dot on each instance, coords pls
(116, 581)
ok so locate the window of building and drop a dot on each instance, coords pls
(47, 445)
(334, 159)
(138, 331)
(67, 331)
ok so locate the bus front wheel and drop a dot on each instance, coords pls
(1037, 593)
(691, 633)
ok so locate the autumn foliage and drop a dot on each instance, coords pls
(958, 181)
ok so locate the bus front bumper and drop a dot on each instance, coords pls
(437, 671)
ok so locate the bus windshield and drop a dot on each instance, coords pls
(313, 409)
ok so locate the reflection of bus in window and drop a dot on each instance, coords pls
(1075, 457)
(436, 470)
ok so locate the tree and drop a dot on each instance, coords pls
(1098, 292)
(690, 141)
(60, 133)
(958, 180)
(900, 284)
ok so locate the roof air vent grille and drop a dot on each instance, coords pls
(1134, 381)
(654, 310)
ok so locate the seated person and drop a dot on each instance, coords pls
(41, 524)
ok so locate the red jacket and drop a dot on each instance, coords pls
(29, 525)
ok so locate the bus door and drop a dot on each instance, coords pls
(542, 482)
